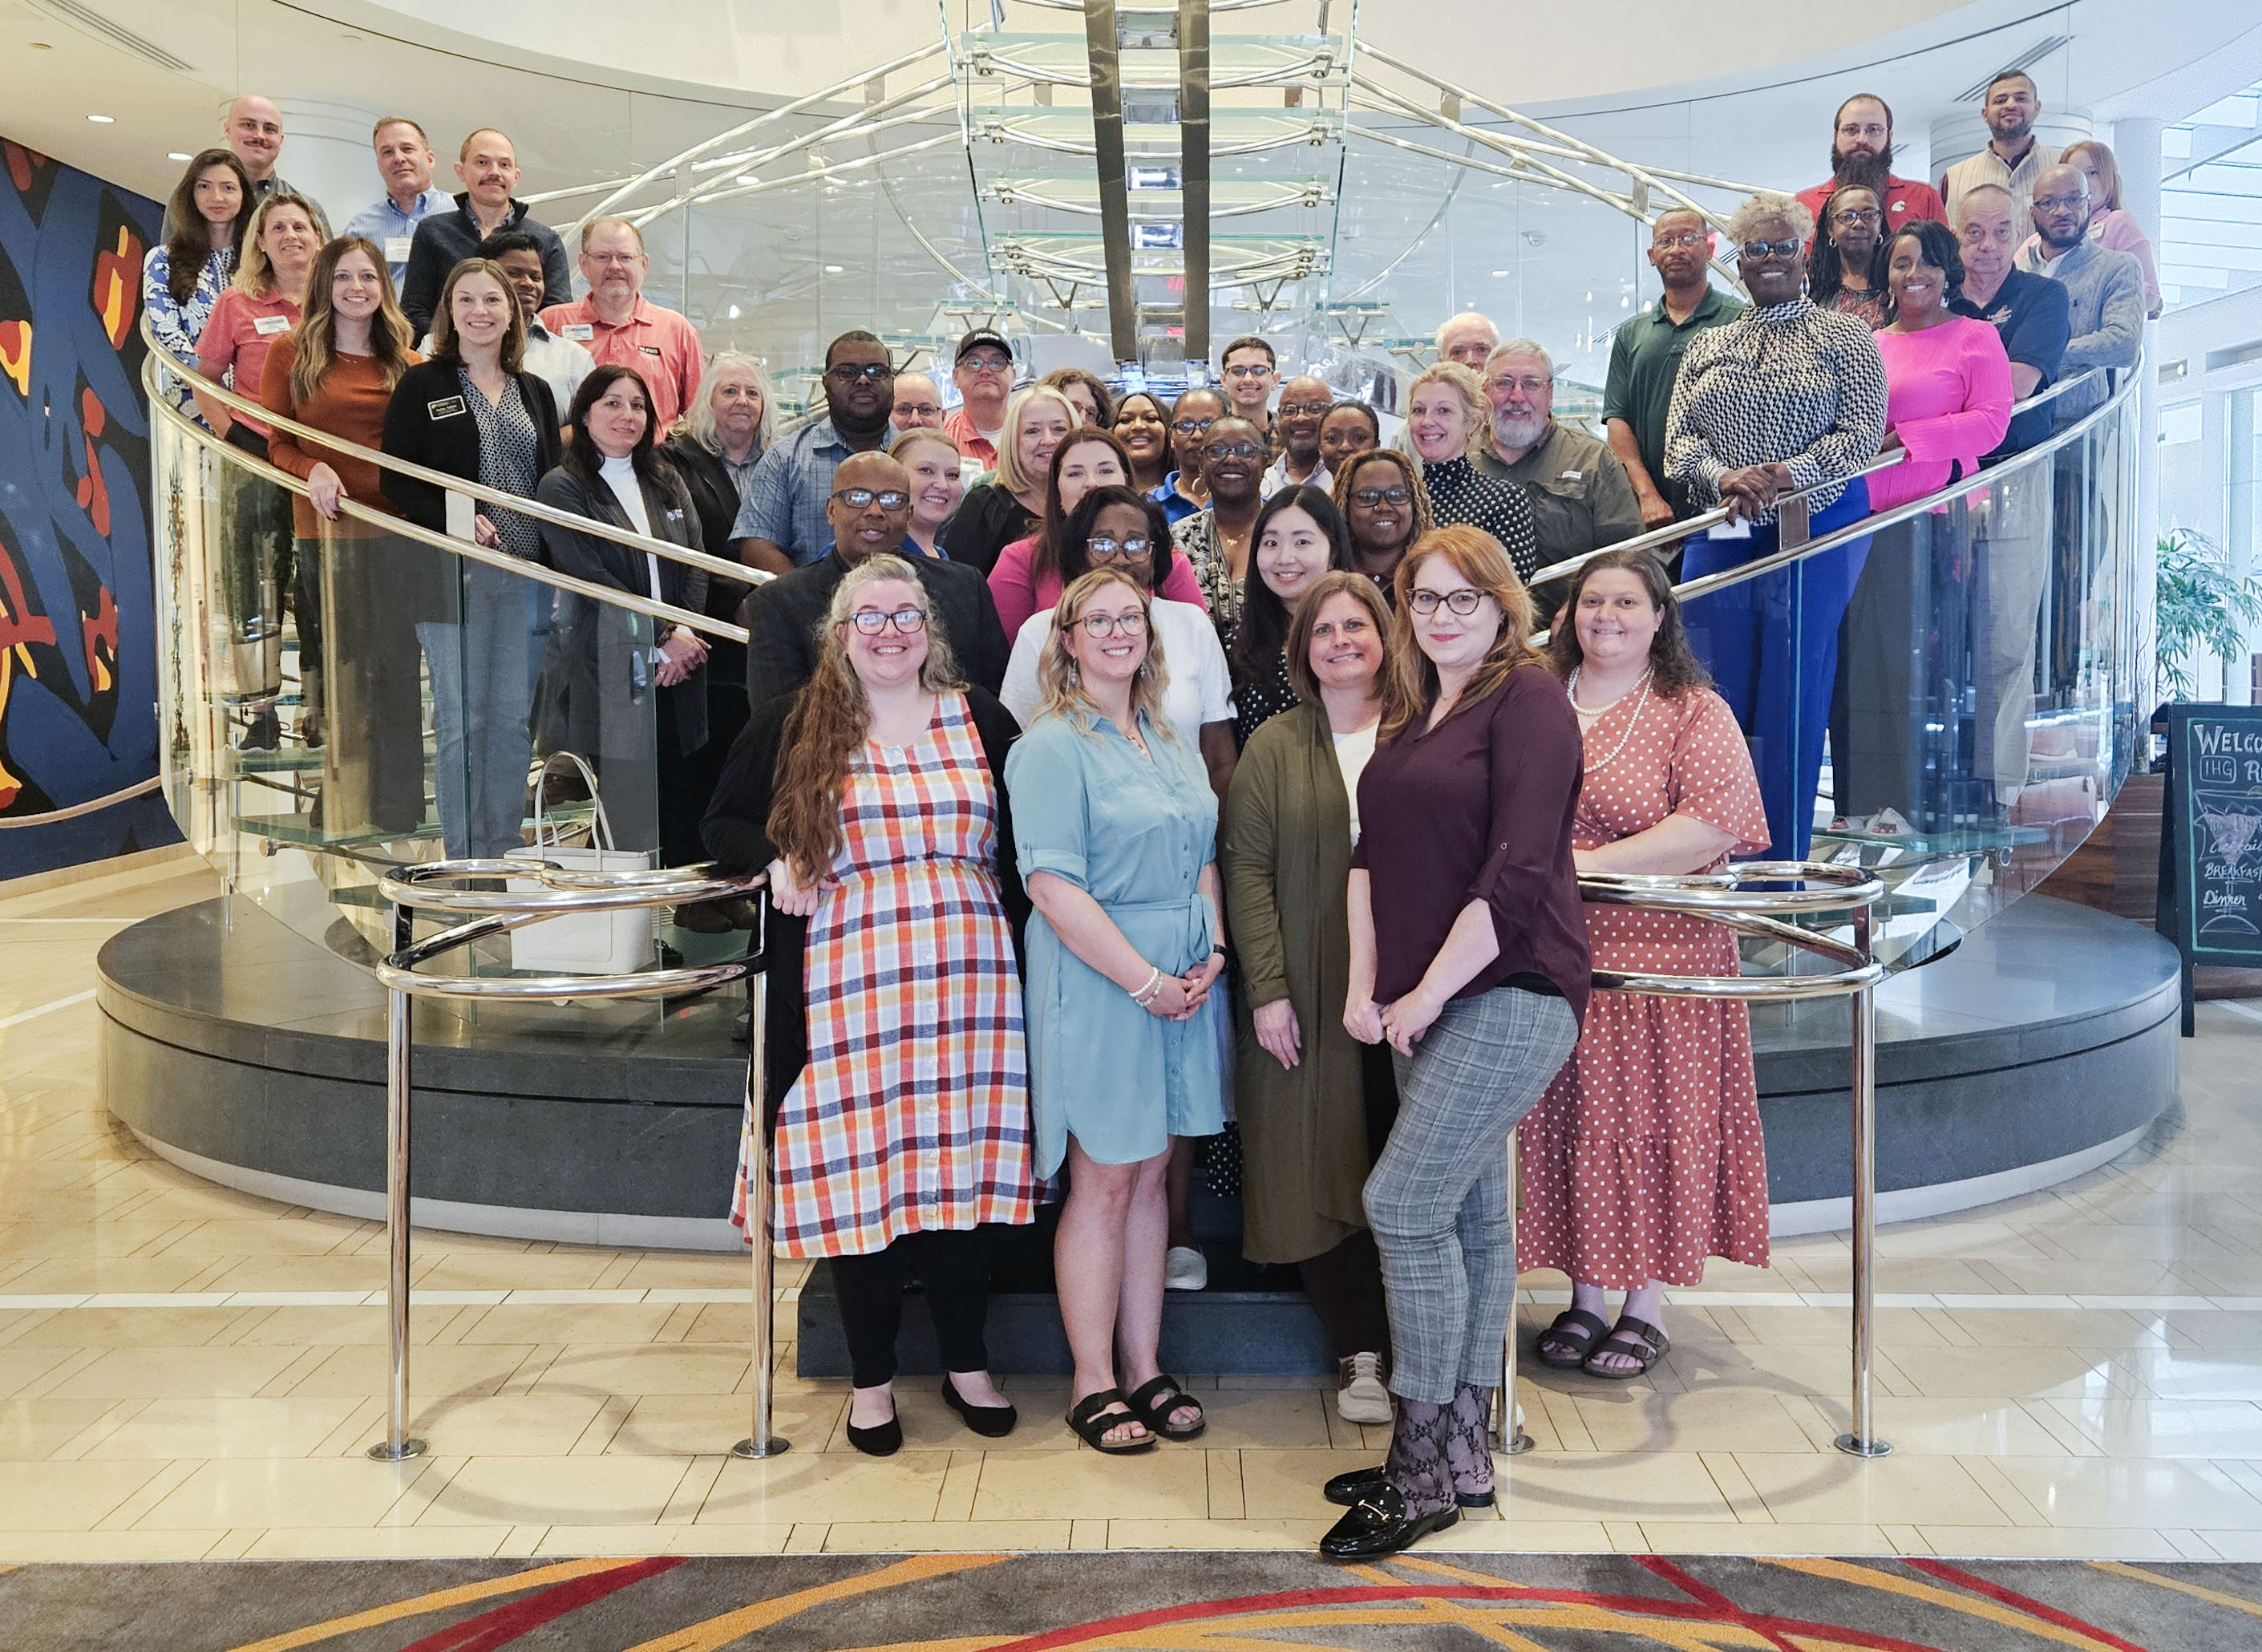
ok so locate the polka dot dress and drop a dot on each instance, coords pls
(1645, 1156)
(1259, 696)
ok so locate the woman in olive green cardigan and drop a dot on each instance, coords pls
(1314, 1106)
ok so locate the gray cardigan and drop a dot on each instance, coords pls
(2105, 290)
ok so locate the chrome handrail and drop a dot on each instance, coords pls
(401, 527)
(445, 885)
(163, 360)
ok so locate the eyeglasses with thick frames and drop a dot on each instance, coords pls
(1107, 549)
(1233, 449)
(1853, 215)
(849, 372)
(1463, 602)
(908, 622)
(1759, 251)
(1133, 624)
(1192, 427)
(862, 498)
(1372, 497)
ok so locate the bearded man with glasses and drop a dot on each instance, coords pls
(785, 519)
(1777, 411)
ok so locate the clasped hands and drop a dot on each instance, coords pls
(1750, 491)
(1399, 1024)
(1179, 996)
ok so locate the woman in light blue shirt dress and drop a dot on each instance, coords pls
(1116, 827)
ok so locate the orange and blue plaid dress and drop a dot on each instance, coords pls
(913, 1111)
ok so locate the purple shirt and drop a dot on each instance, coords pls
(1478, 808)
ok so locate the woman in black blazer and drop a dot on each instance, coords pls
(625, 690)
(472, 412)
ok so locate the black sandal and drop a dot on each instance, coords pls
(1574, 1329)
(1637, 1337)
(1154, 1402)
(1088, 1417)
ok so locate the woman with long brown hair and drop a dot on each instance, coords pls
(1468, 956)
(873, 798)
(182, 278)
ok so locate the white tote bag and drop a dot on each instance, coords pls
(587, 942)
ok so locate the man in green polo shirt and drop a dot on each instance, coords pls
(1646, 358)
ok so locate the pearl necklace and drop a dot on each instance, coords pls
(1640, 689)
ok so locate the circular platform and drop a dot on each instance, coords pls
(2043, 1046)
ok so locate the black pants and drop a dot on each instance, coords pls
(952, 1266)
(1344, 1284)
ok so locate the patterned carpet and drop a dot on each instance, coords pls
(1193, 1601)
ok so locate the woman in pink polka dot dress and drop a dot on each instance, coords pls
(1645, 1156)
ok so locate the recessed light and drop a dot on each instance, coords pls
(732, 312)
(178, 155)
(104, 120)
(833, 268)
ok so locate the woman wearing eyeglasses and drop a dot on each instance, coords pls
(1116, 827)
(873, 798)
(1846, 270)
(1027, 577)
(1216, 539)
(1386, 508)
(1789, 398)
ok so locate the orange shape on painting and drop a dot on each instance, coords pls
(93, 490)
(99, 637)
(114, 275)
(16, 354)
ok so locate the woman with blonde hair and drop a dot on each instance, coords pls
(1468, 956)
(1116, 827)
(1011, 504)
(1447, 413)
(896, 1057)
(933, 463)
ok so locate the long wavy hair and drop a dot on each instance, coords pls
(1045, 555)
(1673, 667)
(191, 242)
(445, 346)
(1060, 680)
(1478, 557)
(390, 337)
(1408, 466)
(1263, 629)
(830, 719)
(252, 272)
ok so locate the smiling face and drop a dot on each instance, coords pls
(1918, 288)
(918, 404)
(1250, 376)
(1522, 388)
(254, 130)
(1233, 460)
(1344, 432)
(1680, 242)
(481, 310)
(404, 160)
(488, 170)
(1139, 427)
(1121, 527)
(1772, 262)
(1379, 524)
(1454, 642)
(1439, 422)
(288, 238)
(889, 657)
(934, 468)
(1037, 436)
(1084, 466)
(1304, 403)
(357, 286)
(1616, 620)
(1293, 553)
(1113, 659)
(523, 266)
(219, 197)
(619, 418)
(867, 529)
(2010, 109)
(1346, 645)
(614, 263)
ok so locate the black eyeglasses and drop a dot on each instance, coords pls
(2061, 203)
(1107, 549)
(1111, 625)
(1233, 449)
(1303, 409)
(1192, 427)
(908, 621)
(849, 372)
(1463, 602)
(1853, 215)
(1372, 497)
(861, 498)
(1758, 251)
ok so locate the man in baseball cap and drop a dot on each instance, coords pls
(983, 374)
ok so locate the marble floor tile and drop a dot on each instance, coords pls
(813, 1487)
(70, 1497)
(553, 1492)
(1169, 1482)
(273, 1491)
(202, 1427)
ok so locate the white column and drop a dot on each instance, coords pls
(327, 153)
(2136, 154)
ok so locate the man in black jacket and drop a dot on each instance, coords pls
(783, 615)
(488, 168)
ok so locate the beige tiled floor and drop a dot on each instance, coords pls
(186, 1371)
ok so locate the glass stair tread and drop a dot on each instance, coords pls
(1937, 844)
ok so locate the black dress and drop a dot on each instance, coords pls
(1460, 493)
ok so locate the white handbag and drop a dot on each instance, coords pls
(587, 942)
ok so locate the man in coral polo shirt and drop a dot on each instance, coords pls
(620, 324)
(1862, 152)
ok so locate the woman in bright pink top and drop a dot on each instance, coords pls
(1947, 381)
(1026, 577)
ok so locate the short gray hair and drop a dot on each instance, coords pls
(1522, 347)
(1466, 318)
(699, 418)
(1766, 205)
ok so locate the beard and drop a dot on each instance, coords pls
(1517, 430)
(1869, 171)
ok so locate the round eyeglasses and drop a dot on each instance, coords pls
(1132, 624)
(910, 622)
(1463, 602)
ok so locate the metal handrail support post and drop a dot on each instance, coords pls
(397, 1445)
(1862, 1441)
(761, 1238)
(1509, 1438)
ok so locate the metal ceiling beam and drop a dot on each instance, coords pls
(1193, 174)
(1114, 197)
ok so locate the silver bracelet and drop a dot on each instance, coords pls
(1148, 988)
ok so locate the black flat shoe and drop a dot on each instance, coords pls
(1379, 1526)
(884, 1439)
(1354, 1486)
(993, 1422)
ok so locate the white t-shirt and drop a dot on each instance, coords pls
(1198, 689)
(1352, 752)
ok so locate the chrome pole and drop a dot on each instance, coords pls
(1507, 1427)
(1862, 1440)
(396, 1445)
(759, 1240)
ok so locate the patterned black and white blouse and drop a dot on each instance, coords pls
(1195, 538)
(510, 458)
(1259, 697)
(1789, 384)
(1460, 493)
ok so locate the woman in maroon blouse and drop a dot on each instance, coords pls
(1468, 954)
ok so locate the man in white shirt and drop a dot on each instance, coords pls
(404, 161)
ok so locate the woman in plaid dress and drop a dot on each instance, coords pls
(873, 798)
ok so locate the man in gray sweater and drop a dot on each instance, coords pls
(2104, 289)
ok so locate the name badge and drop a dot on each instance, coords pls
(1569, 476)
(396, 247)
(581, 330)
(649, 350)
(269, 326)
(446, 407)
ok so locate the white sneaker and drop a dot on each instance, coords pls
(1184, 1269)
(1361, 1396)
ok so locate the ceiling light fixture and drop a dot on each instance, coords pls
(834, 269)
(178, 155)
(104, 120)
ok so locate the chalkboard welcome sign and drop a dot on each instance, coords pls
(2211, 841)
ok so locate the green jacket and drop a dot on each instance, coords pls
(1284, 851)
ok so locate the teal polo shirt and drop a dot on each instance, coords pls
(1645, 360)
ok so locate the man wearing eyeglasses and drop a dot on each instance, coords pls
(1581, 499)
(984, 373)
(1251, 371)
(785, 519)
(1184, 491)
(868, 512)
(621, 328)
(1304, 403)
(2104, 289)
(1862, 152)
(918, 404)
(1646, 358)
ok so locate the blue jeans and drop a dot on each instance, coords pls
(1771, 645)
(481, 703)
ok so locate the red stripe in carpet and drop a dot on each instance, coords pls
(2011, 1598)
(505, 1623)
(1727, 1610)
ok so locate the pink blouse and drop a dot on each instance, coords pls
(1948, 394)
(1018, 597)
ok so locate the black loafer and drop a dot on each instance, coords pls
(1352, 1487)
(992, 1422)
(884, 1439)
(1379, 1526)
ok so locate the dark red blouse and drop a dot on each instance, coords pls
(1478, 808)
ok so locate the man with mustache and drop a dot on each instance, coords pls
(488, 168)
(785, 520)
(1581, 499)
(1646, 358)
(1862, 152)
(623, 327)
(2012, 157)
